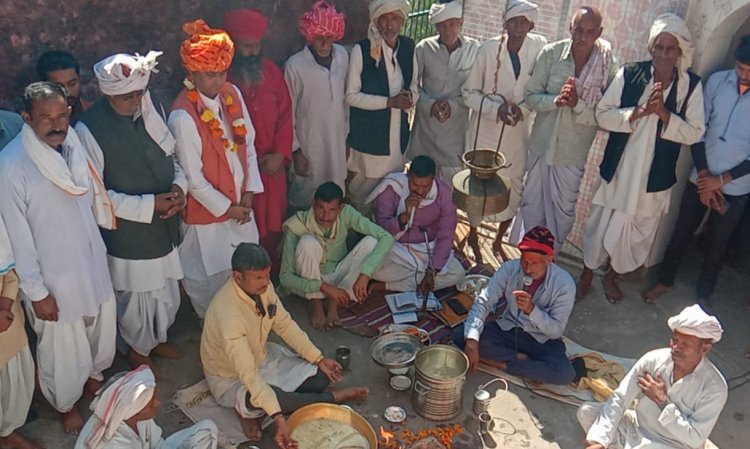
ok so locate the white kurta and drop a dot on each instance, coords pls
(370, 169)
(206, 250)
(693, 407)
(625, 217)
(201, 435)
(486, 77)
(321, 121)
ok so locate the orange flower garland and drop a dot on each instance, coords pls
(234, 113)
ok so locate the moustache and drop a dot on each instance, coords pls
(57, 132)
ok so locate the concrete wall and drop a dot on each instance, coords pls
(94, 29)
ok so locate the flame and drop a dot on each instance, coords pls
(387, 436)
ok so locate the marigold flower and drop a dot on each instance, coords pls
(207, 115)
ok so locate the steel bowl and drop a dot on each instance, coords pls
(335, 413)
(395, 350)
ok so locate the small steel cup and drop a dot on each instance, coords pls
(343, 356)
(485, 422)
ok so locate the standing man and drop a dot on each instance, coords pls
(526, 341)
(651, 109)
(215, 148)
(129, 144)
(380, 88)
(316, 263)
(47, 193)
(441, 118)
(417, 208)
(719, 183)
(10, 125)
(677, 391)
(266, 94)
(62, 68)
(503, 67)
(568, 81)
(316, 77)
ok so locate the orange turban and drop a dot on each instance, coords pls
(246, 23)
(207, 49)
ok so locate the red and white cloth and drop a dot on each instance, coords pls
(322, 20)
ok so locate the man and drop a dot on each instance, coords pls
(719, 183)
(16, 361)
(441, 117)
(651, 109)
(316, 263)
(417, 208)
(123, 418)
(526, 341)
(568, 81)
(255, 377)
(62, 68)
(266, 94)
(316, 77)
(502, 68)
(679, 393)
(10, 125)
(47, 193)
(130, 146)
(381, 87)
(215, 148)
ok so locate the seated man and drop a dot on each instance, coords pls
(246, 372)
(526, 341)
(124, 414)
(679, 393)
(316, 263)
(417, 208)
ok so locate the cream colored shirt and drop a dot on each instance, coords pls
(14, 338)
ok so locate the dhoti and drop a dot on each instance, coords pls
(201, 435)
(406, 264)
(628, 436)
(16, 391)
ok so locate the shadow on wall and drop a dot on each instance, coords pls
(94, 29)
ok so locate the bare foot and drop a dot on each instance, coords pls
(584, 284)
(375, 287)
(502, 366)
(473, 241)
(167, 351)
(353, 394)
(90, 388)
(72, 421)
(332, 314)
(251, 428)
(17, 441)
(318, 316)
(137, 360)
(611, 290)
(654, 292)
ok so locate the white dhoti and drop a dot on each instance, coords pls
(68, 354)
(406, 264)
(550, 195)
(310, 253)
(447, 173)
(282, 368)
(16, 391)
(201, 435)
(628, 435)
(625, 239)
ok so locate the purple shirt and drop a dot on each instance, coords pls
(439, 218)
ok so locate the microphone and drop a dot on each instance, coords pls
(423, 230)
(411, 218)
(527, 281)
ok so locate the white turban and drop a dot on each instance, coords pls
(122, 74)
(522, 8)
(440, 12)
(377, 9)
(121, 400)
(695, 321)
(674, 25)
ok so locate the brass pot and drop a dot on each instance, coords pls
(484, 163)
(334, 413)
(477, 196)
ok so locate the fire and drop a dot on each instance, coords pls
(387, 436)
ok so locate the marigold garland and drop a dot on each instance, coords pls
(239, 129)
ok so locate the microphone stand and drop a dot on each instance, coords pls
(429, 265)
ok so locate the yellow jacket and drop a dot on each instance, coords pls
(233, 344)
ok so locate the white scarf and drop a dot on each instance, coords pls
(693, 320)
(76, 177)
(377, 9)
(399, 182)
(7, 262)
(522, 8)
(440, 12)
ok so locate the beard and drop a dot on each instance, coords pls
(248, 68)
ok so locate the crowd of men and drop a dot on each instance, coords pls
(108, 207)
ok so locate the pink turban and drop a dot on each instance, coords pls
(322, 20)
(245, 23)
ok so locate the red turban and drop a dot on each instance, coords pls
(245, 23)
(322, 20)
(207, 49)
(538, 240)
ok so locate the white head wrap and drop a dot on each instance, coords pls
(695, 321)
(440, 12)
(120, 400)
(123, 73)
(519, 8)
(674, 25)
(377, 9)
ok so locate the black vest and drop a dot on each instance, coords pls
(133, 164)
(661, 175)
(369, 131)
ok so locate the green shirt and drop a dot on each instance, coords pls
(334, 246)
